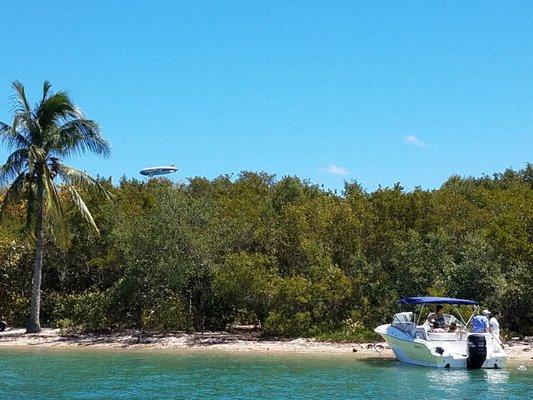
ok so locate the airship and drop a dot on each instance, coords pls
(162, 170)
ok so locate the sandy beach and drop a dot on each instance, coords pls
(519, 351)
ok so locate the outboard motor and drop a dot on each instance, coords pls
(477, 350)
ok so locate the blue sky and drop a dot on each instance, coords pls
(379, 92)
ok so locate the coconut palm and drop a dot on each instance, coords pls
(38, 139)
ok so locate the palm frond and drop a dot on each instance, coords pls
(54, 209)
(56, 108)
(46, 88)
(75, 177)
(25, 124)
(12, 194)
(20, 101)
(14, 164)
(4, 129)
(79, 136)
(11, 137)
(80, 204)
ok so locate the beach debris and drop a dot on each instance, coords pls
(300, 342)
(354, 350)
(521, 368)
(377, 347)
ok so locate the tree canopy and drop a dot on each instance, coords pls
(284, 254)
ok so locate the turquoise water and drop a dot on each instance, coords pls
(60, 374)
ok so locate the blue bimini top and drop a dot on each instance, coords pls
(436, 300)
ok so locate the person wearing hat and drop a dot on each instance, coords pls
(494, 325)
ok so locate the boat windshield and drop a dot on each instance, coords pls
(404, 322)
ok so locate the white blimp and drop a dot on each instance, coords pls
(161, 170)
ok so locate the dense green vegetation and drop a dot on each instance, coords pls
(285, 254)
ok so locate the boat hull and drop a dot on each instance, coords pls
(433, 354)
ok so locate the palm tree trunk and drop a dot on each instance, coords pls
(34, 324)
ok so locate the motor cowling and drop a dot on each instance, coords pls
(477, 350)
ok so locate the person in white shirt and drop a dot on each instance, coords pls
(494, 326)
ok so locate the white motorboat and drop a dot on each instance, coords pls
(421, 344)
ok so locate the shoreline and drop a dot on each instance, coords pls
(519, 352)
(197, 342)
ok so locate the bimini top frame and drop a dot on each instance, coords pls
(436, 300)
(439, 300)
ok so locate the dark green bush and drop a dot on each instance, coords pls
(17, 312)
(169, 315)
(297, 324)
(82, 312)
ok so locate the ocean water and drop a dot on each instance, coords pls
(132, 374)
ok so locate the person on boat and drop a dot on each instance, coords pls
(480, 324)
(494, 325)
(453, 327)
(437, 318)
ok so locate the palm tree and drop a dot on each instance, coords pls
(39, 137)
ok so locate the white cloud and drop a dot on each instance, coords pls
(335, 170)
(414, 141)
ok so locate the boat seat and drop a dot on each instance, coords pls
(420, 333)
(442, 336)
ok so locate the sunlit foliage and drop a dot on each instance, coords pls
(283, 255)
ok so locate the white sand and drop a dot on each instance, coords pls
(519, 351)
(186, 341)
